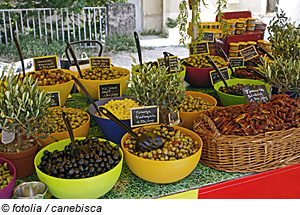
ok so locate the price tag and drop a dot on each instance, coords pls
(249, 53)
(174, 118)
(7, 137)
(208, 36)
(199, 48)
(236, 61)
(99, 63)
(47, 62)
(55, 96)
(109, 90)
(256, 93)
(147, 115)
(173, 62)
(215, 77)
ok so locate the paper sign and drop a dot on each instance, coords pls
(147, 115)
(199, 48)
(47, 62)
(173, 62)
(174, 118)
(256, 93)
(7, 137)
(99, 63)
(236, 61)
(109, 90)
(249, 53)
(215, 77)
(55, 96)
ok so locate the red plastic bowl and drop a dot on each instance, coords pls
(7, 191)
(199, 77)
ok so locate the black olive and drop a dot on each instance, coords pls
(75, 165)
(62, 170)
(71, 171)
(81, 161)
(80, 167)
(61, 175)
(111, 161)
(76, 176)
(73, 160)
(92, 169)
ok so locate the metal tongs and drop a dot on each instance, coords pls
(77, 150)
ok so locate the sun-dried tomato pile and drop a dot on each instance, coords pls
(281, 113)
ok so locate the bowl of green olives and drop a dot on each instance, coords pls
(199, 75)
(93, 78)
(7, 179)
(55, 80)
(192, 105)
(79, 120)
(85, 177)
(177, 159)
(235, 86)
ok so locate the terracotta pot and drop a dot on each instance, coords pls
(23, 161)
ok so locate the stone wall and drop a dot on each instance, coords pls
(121, 18)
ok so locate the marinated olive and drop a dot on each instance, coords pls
(194, 104)
(177, 144)
(199, 61)
(103, 74)
(46, 77)
(5, 175)
(77, 118)
(120, 108)
(233, 89)
(85, 166)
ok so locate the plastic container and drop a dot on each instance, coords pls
(240, 31)
(242, 45)
(267, 45)
(215, 25)
(240, 24)
(259, 26)
(233, 46)
(233, 53)
(251, 21)
(270, 51)
(205, 25)
(112, 131)
(260, 43)
(163, 172)
(251, 43)
(189, 117)
(231, 31)
(218, 34)
(227, 99)
(7, 192)
(86, 188)
(232, 24)
(250, 27)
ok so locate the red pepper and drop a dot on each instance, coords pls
(175, 142)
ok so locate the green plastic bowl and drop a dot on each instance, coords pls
(86, 188)
(227, 99)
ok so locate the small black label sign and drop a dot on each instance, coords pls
(236, 61)
(109, 91)
(249, 53)
(100, 63)
(173, 62)
(256, 93)
(47, 62)
(55, 96)
(215, 77)
(199, 48)
(208, 36)
(147, 115)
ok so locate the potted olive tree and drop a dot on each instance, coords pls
(23, 116)
(155, 86)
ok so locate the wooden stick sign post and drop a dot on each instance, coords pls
(147, 115)
(199, 48)
(47, 62)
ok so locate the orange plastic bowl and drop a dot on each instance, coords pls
(199, 77)
(63, 89)
(93, 85)
(189, 117)
(163, 171)
(81, 131)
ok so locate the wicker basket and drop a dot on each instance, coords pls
(246, 154)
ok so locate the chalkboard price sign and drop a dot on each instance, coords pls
(100, 63)
(236, 61)
(55, 96)
(109, 90)
(249, 53)
(147, 115)
(215, 77)
(199, 48)
(173, 61)
(47, 62)
(256, 93)
(208, 36)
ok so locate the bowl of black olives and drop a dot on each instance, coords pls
(83, 177)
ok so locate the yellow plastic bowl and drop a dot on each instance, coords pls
(81, 131)
(189, 117)
(93, 85)
(86, 188)
(163, 171)
(63, 89)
